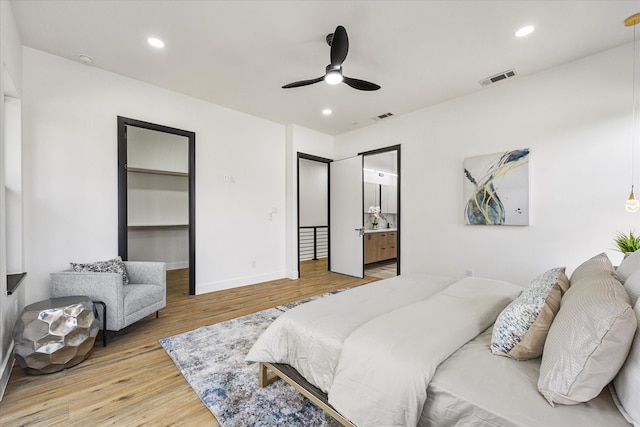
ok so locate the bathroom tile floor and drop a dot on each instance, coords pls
(382, 269)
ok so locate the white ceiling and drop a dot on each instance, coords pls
(238, 54)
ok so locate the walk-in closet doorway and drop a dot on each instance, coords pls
(156, 195)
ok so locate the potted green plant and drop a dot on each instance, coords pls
(627, 242)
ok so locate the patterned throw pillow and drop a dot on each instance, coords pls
(521, 329)
(111, 266)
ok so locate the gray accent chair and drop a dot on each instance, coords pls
(145, 294)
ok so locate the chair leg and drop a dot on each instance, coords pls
(157, 314)
(104, 321)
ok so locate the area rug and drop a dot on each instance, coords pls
(211, 359)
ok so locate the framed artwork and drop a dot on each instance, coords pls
(496, 188)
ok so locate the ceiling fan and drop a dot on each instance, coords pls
(339, 42)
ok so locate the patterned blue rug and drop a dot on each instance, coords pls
(211, 359)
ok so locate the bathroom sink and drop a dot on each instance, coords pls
(381, 230)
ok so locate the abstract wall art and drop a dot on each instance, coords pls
(496, 188)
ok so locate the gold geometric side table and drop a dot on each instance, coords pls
(55, 334)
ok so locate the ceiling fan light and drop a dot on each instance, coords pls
(333, 77)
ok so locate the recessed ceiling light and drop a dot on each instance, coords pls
(85, 59)
(327, 111)
(525, 31)
(155, 42)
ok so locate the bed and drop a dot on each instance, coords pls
(430, 351)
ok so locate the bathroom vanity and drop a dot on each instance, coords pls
(380, 245)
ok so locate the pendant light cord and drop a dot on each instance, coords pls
(633, 204)
(634, 132)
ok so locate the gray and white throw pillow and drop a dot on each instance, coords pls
(521, 329)
(110, 266)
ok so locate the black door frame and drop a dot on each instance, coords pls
(123, 249)
(327, 162)
(398, 221)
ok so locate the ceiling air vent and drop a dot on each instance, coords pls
(497, 77)
(382, 116)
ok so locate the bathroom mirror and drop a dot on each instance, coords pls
(380, 185)
(371, 195)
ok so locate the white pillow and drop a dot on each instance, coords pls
(588, 341)
(627, 382)
(629, 265)
(632, 285)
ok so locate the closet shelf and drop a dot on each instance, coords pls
(158, 227)
(157, 172)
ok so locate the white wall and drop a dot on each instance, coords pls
(70, 137)
(314, 193)
(576, 119)
(157, 199)
(10, 84)
(152, 149)
(170, 246)
(13, 184)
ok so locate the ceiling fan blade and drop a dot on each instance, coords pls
(360, 84)
(339, 46)
(303, 83)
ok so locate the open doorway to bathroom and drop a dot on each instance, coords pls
(381, 210)
(313, 214)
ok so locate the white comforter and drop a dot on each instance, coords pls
(386, 365)
(375, 348)
(310, 337)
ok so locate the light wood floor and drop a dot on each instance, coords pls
(133, 382)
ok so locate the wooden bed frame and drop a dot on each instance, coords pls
(270, 372)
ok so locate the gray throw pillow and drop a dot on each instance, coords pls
(629, 265)
(627, 382)
(632, 285)
(588, 340)
(597, 264)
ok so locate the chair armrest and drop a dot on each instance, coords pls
(146, 272)
(106, 287)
